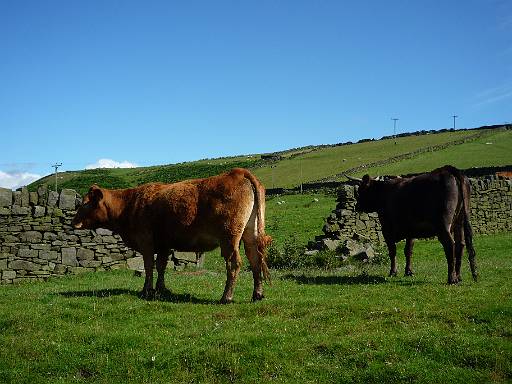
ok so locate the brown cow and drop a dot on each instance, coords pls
(192, 215)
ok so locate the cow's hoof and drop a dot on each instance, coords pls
(392, 273)
(225, 300)
(453, 281)
(147, 294)
(409, 273)
(257, 296)
(162, 293)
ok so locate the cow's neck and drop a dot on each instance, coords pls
(382, 195)
(116, 205)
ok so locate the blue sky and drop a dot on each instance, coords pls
(159, 82)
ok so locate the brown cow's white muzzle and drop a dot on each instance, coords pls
(78, 225)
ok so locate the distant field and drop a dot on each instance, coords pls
(492, 150)
(353, 325)
(131, 177)
(326, 162)
(297, 165)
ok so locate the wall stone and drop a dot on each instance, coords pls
(5, 197)
(37, 240)
(491, 212)
(67, 199)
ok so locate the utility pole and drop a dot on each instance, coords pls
(56, 166)
(394, 127)
(454, 117)
(300, 161)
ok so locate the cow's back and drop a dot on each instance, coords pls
(415, 206)
(192, 215)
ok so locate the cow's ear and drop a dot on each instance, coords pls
(95, 193)
(366, 179)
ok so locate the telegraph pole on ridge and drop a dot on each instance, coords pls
(394, 127)
(454, 117)
(56, 166)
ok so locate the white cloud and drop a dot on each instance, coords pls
(15, 180)
(109, 163)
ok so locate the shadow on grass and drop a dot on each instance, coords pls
(166, 296)
(352, 280)
(336, 280)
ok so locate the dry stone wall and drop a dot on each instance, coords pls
(491, 212)
(37, 240)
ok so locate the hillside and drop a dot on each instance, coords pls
(490, 150)
(327, 163)
(131, 177)
(407, 154)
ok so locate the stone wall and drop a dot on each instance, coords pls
(491, 212)
(491, 205)
(37, 240)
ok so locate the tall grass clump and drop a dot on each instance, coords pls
(293, 255)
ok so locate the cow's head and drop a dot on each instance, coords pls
(92, 213)
(367, 195)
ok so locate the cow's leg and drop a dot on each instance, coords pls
(392, 257)
(251, 250)
(147, 291)
(161, 264)
(458, 234)
(409, 243)
(231, 254)
(446, 240)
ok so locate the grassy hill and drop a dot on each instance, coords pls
(131, 177)
(328, 162)
(421, 152)
(493, 149)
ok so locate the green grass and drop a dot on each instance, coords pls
(299, 165)
(298, 216)
(131, 177)
(492, 150)
(299, 219)
(351, 325)
(348, 325)
(326, 162)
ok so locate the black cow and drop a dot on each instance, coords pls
(423, 206)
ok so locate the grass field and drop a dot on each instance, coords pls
(293, 218)
(492, 150)
(326, 162)
(351, 325)
(303, 165)
(131, 177)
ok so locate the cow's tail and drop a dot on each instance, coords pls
(263, 240)
(468, 231)
(465, 194)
